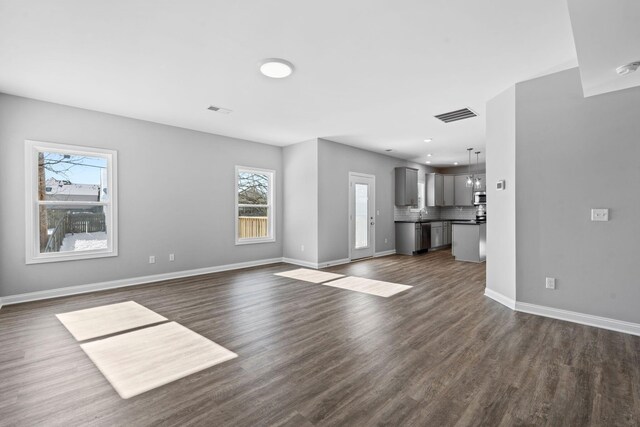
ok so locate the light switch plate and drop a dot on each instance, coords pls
(599, 214)
(550, 282)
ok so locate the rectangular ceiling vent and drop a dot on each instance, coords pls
(219, 109)
(454, 116)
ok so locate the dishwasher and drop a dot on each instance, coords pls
(423, 236)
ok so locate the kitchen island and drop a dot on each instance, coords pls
(469, 241)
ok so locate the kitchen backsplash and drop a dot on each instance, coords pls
(402, 213)
(463, 212)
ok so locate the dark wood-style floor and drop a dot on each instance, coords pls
(439, 354)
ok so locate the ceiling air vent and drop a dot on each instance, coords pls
(219, 109)
(453, 116)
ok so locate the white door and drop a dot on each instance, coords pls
(361, 215)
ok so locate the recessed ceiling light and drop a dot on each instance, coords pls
(455, 163)
(276, 68)
(388, 149)
(429, 155)
(428, 140)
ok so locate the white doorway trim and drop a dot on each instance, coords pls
(372, 198)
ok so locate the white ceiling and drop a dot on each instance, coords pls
(369, 73)
(607, 35)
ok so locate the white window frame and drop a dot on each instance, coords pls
(271, 206)
(32, 204)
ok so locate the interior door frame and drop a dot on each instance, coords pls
(372, 197)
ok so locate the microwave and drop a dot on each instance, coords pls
(479, 198)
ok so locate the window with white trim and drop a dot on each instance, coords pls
(71, 198)
(255, 213)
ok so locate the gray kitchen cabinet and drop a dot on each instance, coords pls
(469, 242)
(435, 189)
(448, 190)
(463, 194)
(412, 237)
(446, 233)
(406, 186)
(436, 235)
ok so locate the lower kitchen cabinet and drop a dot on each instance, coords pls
(469, 241)
(437, 239)
(446, 232)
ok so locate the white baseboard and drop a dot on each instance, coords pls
(334, 262)
(497, 296)
(300, 262)
(384, 253)
(584, 319)
(315, 265)
(93, 287)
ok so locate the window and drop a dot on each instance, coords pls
(421, 201)
(70, 202)
(255, 211)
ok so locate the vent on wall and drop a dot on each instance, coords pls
(453, 116)
(219, 109)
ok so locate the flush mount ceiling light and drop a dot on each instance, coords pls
(455, 163)
(276, 68)
(428, 162)
(428, 140)
(627, 69)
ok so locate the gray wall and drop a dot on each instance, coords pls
(574, 154)
(176, 195)
(300, 164)
(501, 205)
(335, 161)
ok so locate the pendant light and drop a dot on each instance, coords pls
(477, 181)
(469, 177)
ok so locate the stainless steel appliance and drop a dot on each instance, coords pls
(479, 198)
(424, 230)
(480, 202)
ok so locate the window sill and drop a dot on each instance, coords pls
(70, 257)
(252, 241)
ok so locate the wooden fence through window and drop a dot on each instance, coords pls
(253, 226)
(75, 222)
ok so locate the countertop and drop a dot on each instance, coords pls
(454, 221)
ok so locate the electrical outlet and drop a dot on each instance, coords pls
(599, 214)
(172, 257)
(386, 240)
(152, 259)
(301, 248)
(378, 212)
(551, 282)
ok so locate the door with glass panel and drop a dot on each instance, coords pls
(361, 215)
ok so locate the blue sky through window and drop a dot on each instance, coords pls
(77, 169)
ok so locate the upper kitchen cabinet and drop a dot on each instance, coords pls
(449, 190)
(435, 189)
(406, 186)
(463, 194)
